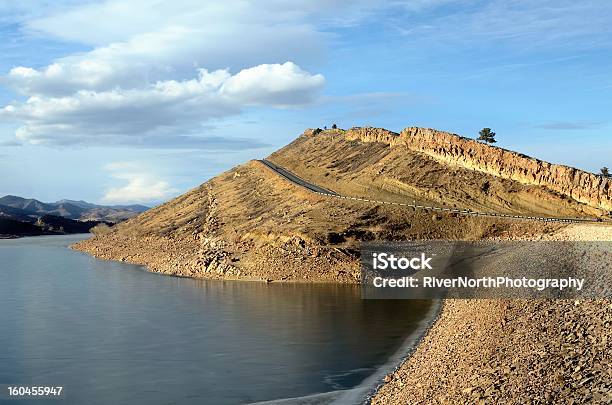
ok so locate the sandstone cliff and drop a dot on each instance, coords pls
(584, 187)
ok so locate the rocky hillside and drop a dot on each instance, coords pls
(584, 187)
(250, 223)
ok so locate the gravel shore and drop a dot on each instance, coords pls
(512, 351)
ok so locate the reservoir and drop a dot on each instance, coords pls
(113, 333)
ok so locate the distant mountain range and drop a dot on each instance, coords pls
(86, 205)
(26, 216)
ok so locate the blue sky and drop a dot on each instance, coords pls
(122, 102)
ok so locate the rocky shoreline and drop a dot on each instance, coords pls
(512, 351)
(499, 351)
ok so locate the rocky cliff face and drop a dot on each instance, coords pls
(579, 185)
(368, 134)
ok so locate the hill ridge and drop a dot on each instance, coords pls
(250, 223)
(582, 186)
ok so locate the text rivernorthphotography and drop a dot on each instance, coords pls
(539, 284)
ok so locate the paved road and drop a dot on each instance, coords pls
(325, 192)
(297, 180)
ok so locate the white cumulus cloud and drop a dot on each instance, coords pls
(135, 85)
(273, 84)
(164, 109)
(140, 186)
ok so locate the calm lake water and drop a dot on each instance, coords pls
(112, 333)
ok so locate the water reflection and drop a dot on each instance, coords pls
(113, 333)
